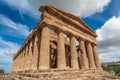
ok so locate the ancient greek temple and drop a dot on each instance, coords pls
(61, 45)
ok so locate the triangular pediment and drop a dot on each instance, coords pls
(68, 17)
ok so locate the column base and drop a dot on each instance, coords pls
(44, 68)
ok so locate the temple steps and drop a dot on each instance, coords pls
(63, 75)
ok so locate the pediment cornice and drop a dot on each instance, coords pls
(68, 18)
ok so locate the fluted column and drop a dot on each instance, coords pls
(21, 60)
(24, 54)
(85, 64)
(67, 56)
(90, 56)
(27, 59)
(74, 54)
(61, 59)
(30, 66)
(79, 58)
(44, 49)
(26, 49)
(96, 57)
(35, 55)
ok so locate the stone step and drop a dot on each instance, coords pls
(64, 75)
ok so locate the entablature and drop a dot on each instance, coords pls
(67, 18)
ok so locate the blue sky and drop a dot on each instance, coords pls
(19, 17)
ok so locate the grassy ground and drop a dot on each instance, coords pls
(5, 77)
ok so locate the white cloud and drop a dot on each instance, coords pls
(7, 47)
(18, 3)
(7, 50)
(109, 38)
(81, 8)
(17, 28)
(111, 56)
(24, 7)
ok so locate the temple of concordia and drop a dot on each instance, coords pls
(61, 47)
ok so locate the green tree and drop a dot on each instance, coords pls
(1, 71)
(115, 68)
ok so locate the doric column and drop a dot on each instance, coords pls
(67, 51)
(44, 49)
(61, 59)
(83, 55)
(36, 50)
(27, 59)
(90, 55)
(30, 66)
(74, 54)
(79, 58)
(24, 59)
(26, 49)
(96, 57)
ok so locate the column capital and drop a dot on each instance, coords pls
(87, 42)
(70, 35)
(37, 32)
(81, 39)
(93, 44)
(59, 31)
(31, 39)
(42, 25)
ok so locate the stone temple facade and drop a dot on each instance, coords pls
(61, 47)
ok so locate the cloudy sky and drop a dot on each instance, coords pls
(19, 17)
